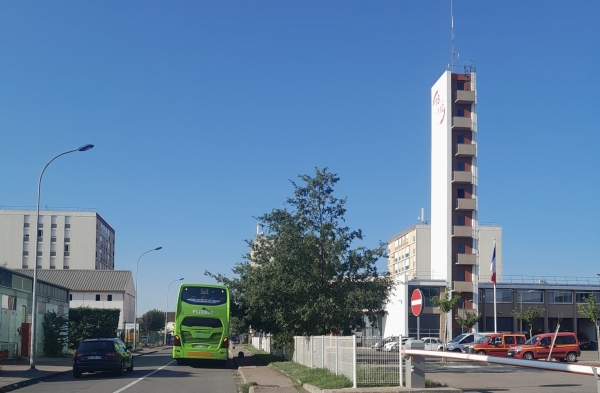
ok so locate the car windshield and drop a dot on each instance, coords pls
(458, 338)
(532, 341)
(481, 340)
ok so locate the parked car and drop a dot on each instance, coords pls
(566, 347)
(102, 354)
(431, 343)
(496, 344)
(235, 340)
(394, 346)
(378, 346)
(584, 341)
(458, 343)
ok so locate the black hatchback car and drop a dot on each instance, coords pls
(102, 354)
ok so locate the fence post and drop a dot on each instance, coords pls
(336, 356)
(310, 351)
(354, 361)
(322, 351)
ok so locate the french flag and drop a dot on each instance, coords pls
(493, 265)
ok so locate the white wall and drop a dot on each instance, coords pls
(441, 178)
(88, 299)
(395, 322)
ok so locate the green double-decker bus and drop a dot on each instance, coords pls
(201, 323)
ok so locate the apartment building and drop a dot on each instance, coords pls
(66, 240)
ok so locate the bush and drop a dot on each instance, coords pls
(85, 322)
(55, 334)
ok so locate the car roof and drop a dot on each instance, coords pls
(98, 339)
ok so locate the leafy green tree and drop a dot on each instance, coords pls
(590, 311)
(529, 316)
(85, 322)
(55, 329)
(468, 320)
(446, 303)
(152, 321)
(302, 276)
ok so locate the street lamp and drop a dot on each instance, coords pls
(34, 293)
(167, 309)
(136, 296)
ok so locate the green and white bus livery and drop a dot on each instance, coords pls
(201, 323)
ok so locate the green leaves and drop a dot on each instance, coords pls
(302, 276)
(85, 322)
(529, 316)
(152, 321)
(55, 329)
(468, 320)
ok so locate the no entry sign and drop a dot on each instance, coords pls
(416, 302)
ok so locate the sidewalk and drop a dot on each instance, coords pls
(17, 375)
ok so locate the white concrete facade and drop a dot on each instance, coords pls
(66, 240)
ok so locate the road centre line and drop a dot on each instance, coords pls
(142, 378)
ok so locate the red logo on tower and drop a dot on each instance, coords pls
(439, 107)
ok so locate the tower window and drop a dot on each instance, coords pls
(460, 112)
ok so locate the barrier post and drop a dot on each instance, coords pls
(415, 365)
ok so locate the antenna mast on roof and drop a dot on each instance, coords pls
(452, 36)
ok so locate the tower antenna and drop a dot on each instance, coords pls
(452, 36)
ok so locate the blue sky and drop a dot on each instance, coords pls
(201, 113)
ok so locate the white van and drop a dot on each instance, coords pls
(458, 343)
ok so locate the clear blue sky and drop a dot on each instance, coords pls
(201, 113)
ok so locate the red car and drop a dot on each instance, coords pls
(566, 347)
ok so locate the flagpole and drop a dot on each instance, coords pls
(493, 278)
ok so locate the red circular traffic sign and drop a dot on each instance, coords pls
(416, 302)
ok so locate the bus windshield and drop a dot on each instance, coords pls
(204, 295)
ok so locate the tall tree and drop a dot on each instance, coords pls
(446, 304)
(152, 321)
(590, 311)
(529, 316)
(302, 276)
(468, 320)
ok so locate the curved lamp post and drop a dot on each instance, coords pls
(33, 345)
(167, 309)
(136, 296)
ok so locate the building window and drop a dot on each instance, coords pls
(97, 298)
(581, 296)
(460, 112)
(460, 220)
(502, 295)
(460, 275)
(40, 233)
(460, 139)
(70, 296)
(460, 166)
(109, 298)
(460, 85)
(560, 297)
(460, 248)
(460, 193)
(67, 246)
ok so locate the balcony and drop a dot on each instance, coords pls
(462, 123)
(463, 286)
(462, 231)
(466, 204)
(466, 150)
(466, 259)
(464, 97)
(462, 177)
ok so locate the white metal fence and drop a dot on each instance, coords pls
(367, 363)
(262, 343)
(334, 353)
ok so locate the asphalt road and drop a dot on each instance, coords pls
(153, 373)
(493, 378)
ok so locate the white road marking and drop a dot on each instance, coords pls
(142, 378)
